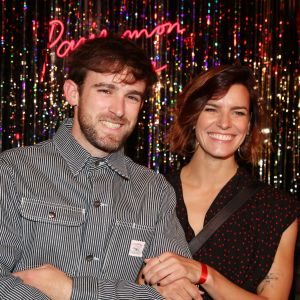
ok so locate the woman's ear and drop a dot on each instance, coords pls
(71, 92)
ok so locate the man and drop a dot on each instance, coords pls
(78, 217)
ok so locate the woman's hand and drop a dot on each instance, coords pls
(170, 267)
(181, 289)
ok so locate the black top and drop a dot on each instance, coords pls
(243, 248)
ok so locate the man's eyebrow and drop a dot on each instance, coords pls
(114, 87)
(135, 92)
(103, 84)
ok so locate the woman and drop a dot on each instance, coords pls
(218, 122)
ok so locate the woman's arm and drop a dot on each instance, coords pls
(280, 276)
(276, 285)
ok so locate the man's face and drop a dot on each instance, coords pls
(107, 112)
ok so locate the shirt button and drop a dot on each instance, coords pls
(97, 204)
(99, 162)
(89, 257)
(51, 215)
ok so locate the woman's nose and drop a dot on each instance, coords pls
(224, 121)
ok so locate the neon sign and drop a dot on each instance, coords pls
(65, 46)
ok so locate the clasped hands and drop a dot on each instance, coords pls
(173, 276)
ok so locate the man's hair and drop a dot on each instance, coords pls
(113, 55)
(214, 84)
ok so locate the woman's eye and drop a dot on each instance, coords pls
(209, 109)
(240, 113)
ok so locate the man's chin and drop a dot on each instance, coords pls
(110, 147)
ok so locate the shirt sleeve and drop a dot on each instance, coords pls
(96, 289)
(10, 241)
(169, 235)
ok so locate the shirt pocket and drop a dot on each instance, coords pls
(126, 250)
(51, 234)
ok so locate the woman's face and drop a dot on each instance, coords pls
(224, 123)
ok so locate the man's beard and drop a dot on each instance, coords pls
(107, 143)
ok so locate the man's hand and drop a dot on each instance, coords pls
(49, 280)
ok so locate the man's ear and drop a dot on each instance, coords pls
(142, 104)
(71, 92)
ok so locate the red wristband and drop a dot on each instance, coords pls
(204, 273)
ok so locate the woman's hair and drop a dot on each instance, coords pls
(114, 55)
(214, 84)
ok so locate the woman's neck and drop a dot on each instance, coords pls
(209, 172)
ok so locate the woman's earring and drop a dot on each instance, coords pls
(248, 132)
(240, 153)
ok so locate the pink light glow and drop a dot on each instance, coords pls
(57, 28)
(64, 46)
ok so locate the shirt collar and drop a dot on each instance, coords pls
(77, 157)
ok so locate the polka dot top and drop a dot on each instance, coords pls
(243, 248)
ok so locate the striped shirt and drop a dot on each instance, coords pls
(95, 219)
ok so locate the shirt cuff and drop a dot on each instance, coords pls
(84, 288)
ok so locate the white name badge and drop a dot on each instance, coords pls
(136, 248)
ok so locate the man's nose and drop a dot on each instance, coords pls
(117, 106)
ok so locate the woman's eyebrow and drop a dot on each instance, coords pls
(234, 107)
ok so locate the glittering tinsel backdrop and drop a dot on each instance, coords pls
(182, 38)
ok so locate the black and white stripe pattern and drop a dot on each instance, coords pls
(61, 206)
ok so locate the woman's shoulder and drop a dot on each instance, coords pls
(269, 191)
(268, 199)
(277, 199)
(173, 177)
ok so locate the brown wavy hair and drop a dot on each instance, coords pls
(214, 84)
(111, 54)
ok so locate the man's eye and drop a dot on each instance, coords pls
(135, 98)
(104, 91)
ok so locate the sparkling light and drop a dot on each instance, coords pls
(259, 34)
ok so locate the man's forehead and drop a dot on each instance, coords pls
(125, 76)
(115, 80)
